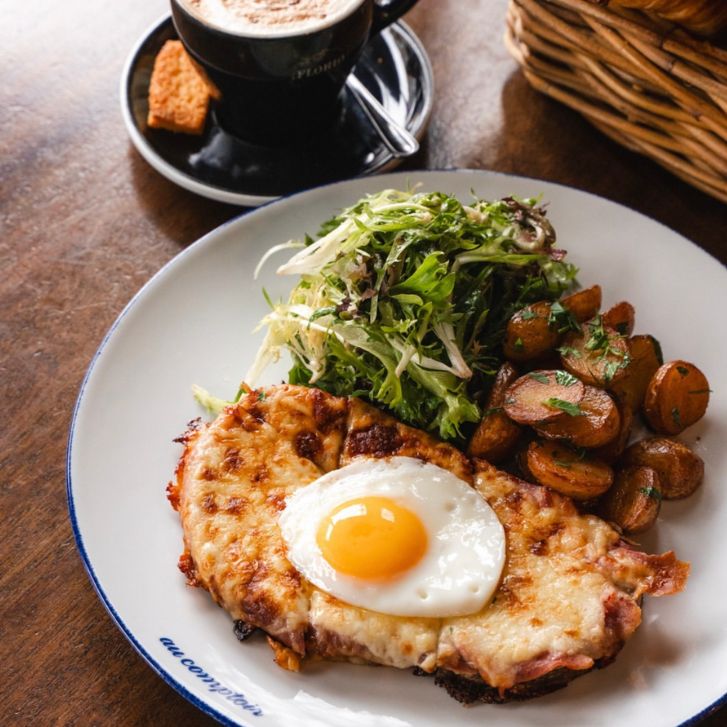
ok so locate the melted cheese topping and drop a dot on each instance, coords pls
(567, 598)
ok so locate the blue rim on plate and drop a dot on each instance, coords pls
(150, 660)
(394, 66)
(160, 671)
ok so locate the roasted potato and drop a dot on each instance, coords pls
(634, 500)
(596, 354)
(680, 470)
(621, 317)
(614, 449)
(543, 396)
(567, 471)
(644, 359)
(584, 304)
(496, 434)
(531, 333)
(597, 424)
(676, 398)
(521, 460)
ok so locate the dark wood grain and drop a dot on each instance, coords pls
(84, 222)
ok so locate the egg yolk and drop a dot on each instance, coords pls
(372, 538)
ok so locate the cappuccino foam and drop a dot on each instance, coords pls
(270, 18)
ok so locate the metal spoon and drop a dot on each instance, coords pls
(395, 137)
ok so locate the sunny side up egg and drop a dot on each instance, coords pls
(398, 536)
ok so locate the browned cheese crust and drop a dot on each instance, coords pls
(568, 598)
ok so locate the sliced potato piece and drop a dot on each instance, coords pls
(676, 398)
(680, 470)
(644, 359)
(530, 333)
(494, 438)
(521, 455)
(496, 434)
(559, 467)
(583, 304)
(621, 317)
(634, 500)
(543, 396)
(598, 424)
(506, 375)
(596, 354)
(614, 449)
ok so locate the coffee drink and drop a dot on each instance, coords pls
(279, 64)
(270, 18)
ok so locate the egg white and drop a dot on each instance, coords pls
(466, 542)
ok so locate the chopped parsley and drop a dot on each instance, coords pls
(568, 407)
(599, 339)
(610, 369)
(651, 492)
(600, 342)
(565, 379)
(540, 377)
(676, 417)
(569, 351)
(561, 318)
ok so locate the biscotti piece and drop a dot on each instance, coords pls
(179, 91)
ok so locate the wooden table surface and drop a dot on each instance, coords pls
(85, 222)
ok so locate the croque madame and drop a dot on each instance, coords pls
(568, 599)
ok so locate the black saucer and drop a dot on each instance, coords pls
(394, 67)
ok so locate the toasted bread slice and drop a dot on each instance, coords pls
(179, 91)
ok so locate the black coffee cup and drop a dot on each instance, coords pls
(280, 89)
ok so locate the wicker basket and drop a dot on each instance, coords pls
(645, 83)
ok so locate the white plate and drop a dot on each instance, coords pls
(192, 323)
